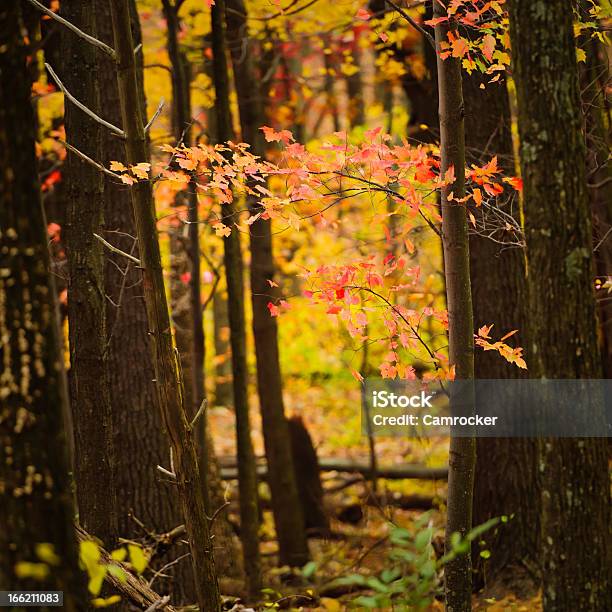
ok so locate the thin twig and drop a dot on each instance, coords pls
(165, 567)
(155, 115)
(166, 472)
(85, 109)
(413, 23)
(158, 604)
(114, 249)
(87, 159)
(198, 414)
(90, 39)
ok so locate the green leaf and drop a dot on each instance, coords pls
(367, 602)
(309, 569)
(485, 554)
(423, 539)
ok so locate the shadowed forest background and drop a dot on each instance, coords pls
(218, 219)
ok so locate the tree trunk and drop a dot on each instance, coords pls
(457, 572)
(594, 77)
(293, 546)
(36, 504)
(139, 437)
(90, 399)
(505, 479)
(247, 476)
(167, 374)
(575, 485)
(224, 395)
(187, 316)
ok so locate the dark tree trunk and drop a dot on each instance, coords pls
(505, 479)
(308, 477)
(140, 442)
(36, 501)
(89, 391)
(224, 395)
(575, 484)
(354, 89)
(247, 476)
(167, 373)
(594, 78)
(293, 546)
(462, 452)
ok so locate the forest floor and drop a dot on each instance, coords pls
(360, 542)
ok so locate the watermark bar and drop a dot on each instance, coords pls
(487, 408)
(31, 599)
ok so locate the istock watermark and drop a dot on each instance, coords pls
(487, 408)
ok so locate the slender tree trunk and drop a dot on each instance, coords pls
(36, 501)
(139, 437)
(187, 315)
(575, 483)
(594, 78)
(90, 397)
(167, 373)
(354, 88)
(293, 546)
(462, 452)
(224, 395)
(247, 476)
(505, 479)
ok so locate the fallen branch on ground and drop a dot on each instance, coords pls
(133, 588)
(229, 470)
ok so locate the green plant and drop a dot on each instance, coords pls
(411, 578)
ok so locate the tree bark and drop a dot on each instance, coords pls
(505, 478)
(293, 546)
(167, 374)
(462, 452)
(139, 437)
(90, 398)
(187, 315)
(594, 77)
(36, 503)
(575, 485)
(247, 476)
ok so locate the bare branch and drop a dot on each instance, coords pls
(87, 159)
(84, 108)
(114, 249)
(90, 39)
(155, 115)
(167, 472)
(199, 413)
(413, 23)
(160, 603)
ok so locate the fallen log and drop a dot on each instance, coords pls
(133, 587)
(229, 469)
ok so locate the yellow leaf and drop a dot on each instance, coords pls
(331, 605)
(37, 571)
(46, 552)
(222, 230)
(138, 558)
(90, 558)
(119, 554)
(141, 170)
(100, 602)
(116, 166)
(580, 55)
